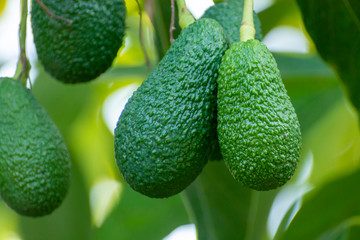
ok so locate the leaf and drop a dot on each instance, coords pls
(282, 12)
(311, 84)
(325, 209)
(334, 27)
(140, 217)
(2, 6)
(218, 204)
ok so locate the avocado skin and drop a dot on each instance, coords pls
(259, 133)
(81, 51)
(163, 136)
(34, 160)
(229, 14)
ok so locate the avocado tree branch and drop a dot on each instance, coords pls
(185, 16)
(51, 14)
(172, 23)
(141, 38)
(247, 29)
(23, 65)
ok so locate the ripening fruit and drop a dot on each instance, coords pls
(80, 51)
(164, 134)
(34, 160)
(259, 133)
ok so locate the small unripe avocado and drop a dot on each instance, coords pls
(259, 133)
(79, 51)
(34, 160)
(163, 136)
(229, 14)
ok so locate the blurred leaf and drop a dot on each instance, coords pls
(63, 102)
(334, 27)
(335, 144)
(324, 209)
(259, 210)
(218, 204)
(103, 196)
(2, 6)
(311, 84)
(280, 13)
(140, 217)
(131, 53)
(123, 73)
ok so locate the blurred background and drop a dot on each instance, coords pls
(100, 205)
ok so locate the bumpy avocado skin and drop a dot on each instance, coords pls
(229, 14)
(162, 138)
(34, 161)
(81, 51)
(259, 133)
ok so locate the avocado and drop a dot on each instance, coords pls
(79, 51)
(163, 136)
(259, 133)
(34, 160)
(229, 14)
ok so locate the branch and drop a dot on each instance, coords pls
(172, 23)
(147, 60)
(23, 65)
(51, 14)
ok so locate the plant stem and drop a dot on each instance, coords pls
(172, 23)
(141, 38)
(185, 16)
(51, 14)
(247, 29)
(23, 65)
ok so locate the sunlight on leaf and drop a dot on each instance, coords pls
(10, 236)
(2, 6)
(104, 195)
(334, 141)
(8, 223)
(187, 232)
(290, 196)
(115, 103)
(131, 52)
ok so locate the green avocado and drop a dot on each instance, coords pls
(229, 14)
(80, 51)
(259, 133)
(34, 160)
(163, 136)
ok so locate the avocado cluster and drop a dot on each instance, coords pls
(34, 160)
(164, 135)
(258, 130)
(206, 101)
(84, 45)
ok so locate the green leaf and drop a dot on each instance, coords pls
(326, 210)
(334, 27)
(311, 84)
(218, 204)
(140, 217)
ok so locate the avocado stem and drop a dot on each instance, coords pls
(23, 65)
(247, 29)
(185, 16)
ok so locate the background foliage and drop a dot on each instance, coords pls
(322, 200)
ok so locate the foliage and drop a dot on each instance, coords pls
(320, 202)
